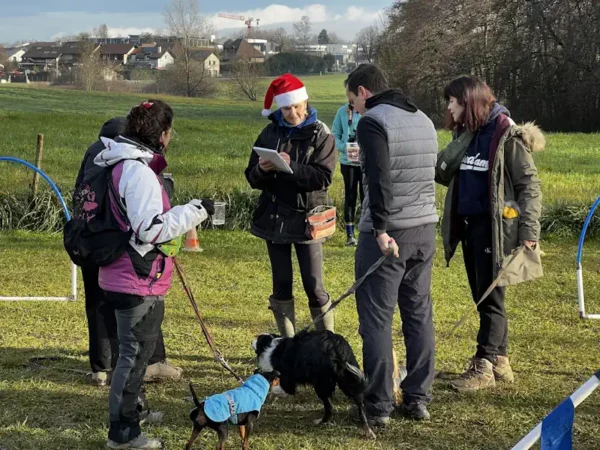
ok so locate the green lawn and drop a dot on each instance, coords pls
(215, 136)
(552, 351)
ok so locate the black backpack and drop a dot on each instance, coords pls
(93, 236)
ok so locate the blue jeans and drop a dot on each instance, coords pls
(138, 326)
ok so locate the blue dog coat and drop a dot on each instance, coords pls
(247, 398)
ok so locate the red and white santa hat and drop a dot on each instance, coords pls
(286, 90)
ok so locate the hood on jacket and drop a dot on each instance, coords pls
(496, 110)
(113, 128)
(532, 136)
(393, 97)
(117, 151)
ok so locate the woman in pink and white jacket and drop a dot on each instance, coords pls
(136, 283)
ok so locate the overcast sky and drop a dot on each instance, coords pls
(47, 20)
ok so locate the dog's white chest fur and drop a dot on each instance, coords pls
(264, 360)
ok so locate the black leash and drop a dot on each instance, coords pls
(209, 339)
(349, 292)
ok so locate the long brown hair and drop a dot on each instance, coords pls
(476, 97)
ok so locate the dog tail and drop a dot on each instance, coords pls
(355, 378)
(194, 396)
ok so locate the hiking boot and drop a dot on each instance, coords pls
(351, 241)
(502, 370)
(99, 379)
(153, 418)
(163, 371)
(142, 442)
(285, 316)
(479, 375)
(414, 411)
(327, 322)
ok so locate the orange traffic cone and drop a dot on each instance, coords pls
(192, 244)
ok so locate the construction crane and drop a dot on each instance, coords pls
(247, 20)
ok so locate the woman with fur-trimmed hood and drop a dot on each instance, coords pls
(492, 208)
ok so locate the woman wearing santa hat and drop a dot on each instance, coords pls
(280, 218)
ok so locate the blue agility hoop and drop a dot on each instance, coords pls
(580, 296)
(73, 295)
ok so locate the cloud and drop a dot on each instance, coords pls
(54, 25)
(346, 23)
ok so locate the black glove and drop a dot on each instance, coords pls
(208, 205)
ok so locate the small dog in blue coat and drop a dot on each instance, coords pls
(240, 407)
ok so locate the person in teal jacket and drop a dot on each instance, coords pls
(344, 130)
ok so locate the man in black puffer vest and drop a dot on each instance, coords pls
(102, 325)
(398, 154)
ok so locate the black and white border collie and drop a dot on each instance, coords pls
(321, 359)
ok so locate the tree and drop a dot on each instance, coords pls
(3, 57)
(539, 57)
(280, 38)
(100, 32)
(335, 39)
(323, 38)
(366, 41)
(247, 77)
(90, 70)
(303, 30)
(329, 61)
(183, 20)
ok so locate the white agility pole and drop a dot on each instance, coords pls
(577, 398)
(73, 296)
(580, 296)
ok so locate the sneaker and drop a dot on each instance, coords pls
(153, 418)
(414, 411)
(480, 375)
(502, 370)
(141, 442)
(99, 379)
(351, 241)
(163, 371)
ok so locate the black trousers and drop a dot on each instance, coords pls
(138, 326)
(406, 282)
(310, 260)
(492, 338)
(102, 326)
(352, 188)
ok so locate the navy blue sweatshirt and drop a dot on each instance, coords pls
(473, 186)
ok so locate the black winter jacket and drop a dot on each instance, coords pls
(280, 215)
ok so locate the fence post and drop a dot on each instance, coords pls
(38, 163)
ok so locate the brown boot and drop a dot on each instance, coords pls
(480, 375)
(502, 370)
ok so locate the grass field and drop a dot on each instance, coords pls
(552, 351)
(214, 138)
(49, 408)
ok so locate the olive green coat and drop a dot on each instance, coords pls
(513, 181)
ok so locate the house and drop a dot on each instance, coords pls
(117, 53)
(71, 52)
(212, 63)
(150, 58)
(239, 50)
(41, 55)
(160, 60)
(343, 53)
(15, 54)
